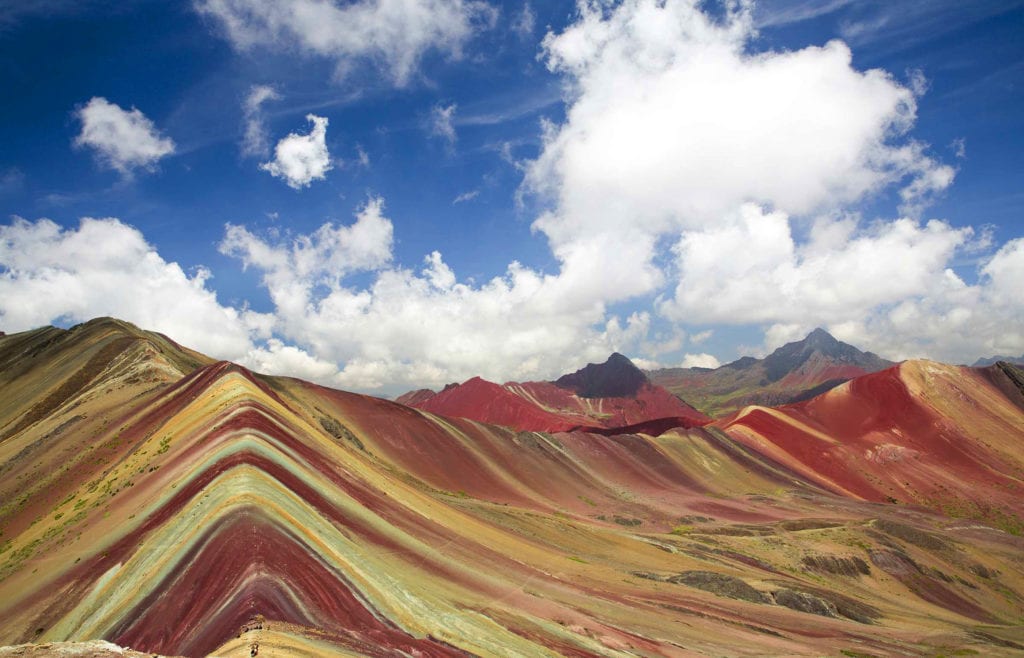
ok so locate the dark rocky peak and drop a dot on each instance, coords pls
(791, 356)
(821, 340)
(615, 378)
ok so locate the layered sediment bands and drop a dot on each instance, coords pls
(615, 395)
(946, 437)
(194, 510)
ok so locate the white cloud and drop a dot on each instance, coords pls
(278, 358)
(301, 159)
(678, 134)
(959, 147)
(1005, 274)
(886, 286)
(645, 364)
(394, 34)
(919, 84)
(362, 157)
(404, 328)
(673, 124)
(124, 140)
(688, 167)
(843, 271)
(414, 328)
(466, 196)
(51, 274)
(702, 336)
(409, 328)
(441, 122)
(524, 22)
(770, 14)
(105, 267)
(324, 257)
(953, 321)
(702, 360)
(255, 141)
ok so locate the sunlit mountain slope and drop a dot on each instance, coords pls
(947, 437)
(180, 506)
(602, 396)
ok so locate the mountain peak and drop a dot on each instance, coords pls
(617, 377)
(617, 358)
(791, 356)
(820, 337)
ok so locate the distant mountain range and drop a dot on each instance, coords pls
(992, 360)
(598, 397)
(794, 372)
(156, 498)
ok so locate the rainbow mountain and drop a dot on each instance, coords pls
(156, 499)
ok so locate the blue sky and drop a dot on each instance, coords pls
(382, 195)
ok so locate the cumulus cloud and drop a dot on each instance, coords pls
(50, 274)
(732, 173)
(394, 34)
(844, 270)
(419, 327)
(105, 267)
(953, 321)
(689, 169)
(301, 159)
(702, 360)
(278, 358)
(425, 326)
(255, 141)
(326, 256)
(672, 123)
(125, 140)
(403, 328)
(887, 286)
(441, 122)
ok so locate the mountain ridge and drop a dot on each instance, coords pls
(208, 509)
(792, 372)
(992, 360)
(601, 396)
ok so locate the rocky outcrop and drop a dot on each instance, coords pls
(615, 378)
(841, 566)
(720, 584)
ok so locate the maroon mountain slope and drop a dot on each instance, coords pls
(614, 394)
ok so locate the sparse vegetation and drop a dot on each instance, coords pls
(339, 431)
